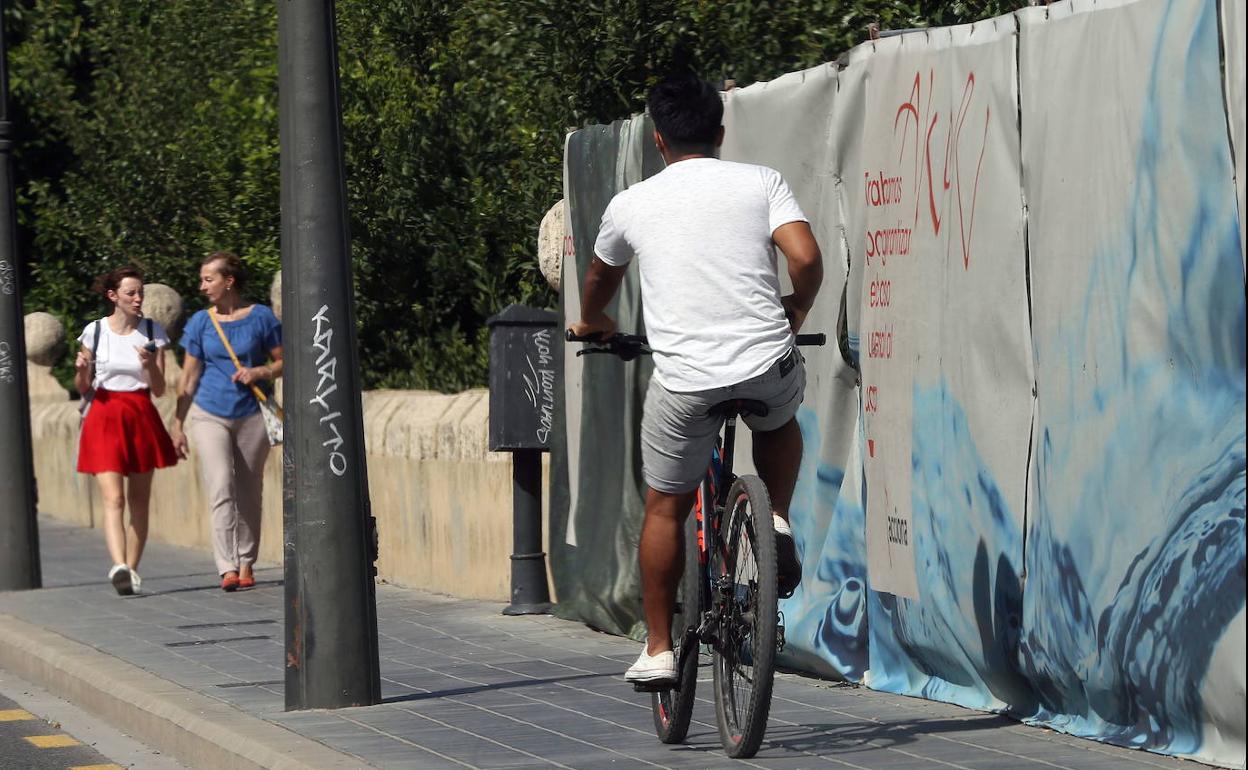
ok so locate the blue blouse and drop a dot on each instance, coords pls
(252, 337)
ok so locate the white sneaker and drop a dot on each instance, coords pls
(653, 668)
(120, 576)
(136, 582)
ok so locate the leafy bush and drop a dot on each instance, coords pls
(147, 133)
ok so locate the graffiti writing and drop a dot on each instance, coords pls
(918, 111)
(8, 284)
(539, 384)
(327, 369)
(6, 363)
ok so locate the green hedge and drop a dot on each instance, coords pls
(147, 133)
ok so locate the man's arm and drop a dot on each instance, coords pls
(805, 269)
(602, 281)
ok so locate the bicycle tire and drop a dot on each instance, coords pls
(745, 650)
(673, 709)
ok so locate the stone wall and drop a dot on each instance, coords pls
(442, 500)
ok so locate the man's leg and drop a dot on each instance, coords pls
(662, 563)
(777, 456)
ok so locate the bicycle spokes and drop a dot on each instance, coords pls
(746, 618)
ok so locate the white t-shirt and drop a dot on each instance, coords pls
(117, 364)
(701, 231)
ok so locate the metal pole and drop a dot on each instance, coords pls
(331, 609)
(19, 532)
(529, 593)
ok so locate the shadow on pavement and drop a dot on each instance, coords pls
(209, 587)
(417, 696)
(828, 738)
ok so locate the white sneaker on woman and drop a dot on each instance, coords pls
(136, 582)
(121, 578)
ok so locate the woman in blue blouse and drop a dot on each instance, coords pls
(221, 414)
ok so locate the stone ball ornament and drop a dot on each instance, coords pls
(275, 295)
(162, 304)
(553, 242)
(45, 338)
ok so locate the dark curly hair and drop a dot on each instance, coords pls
(111, 280)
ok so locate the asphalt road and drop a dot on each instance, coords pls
(30, 741)
(41, 732)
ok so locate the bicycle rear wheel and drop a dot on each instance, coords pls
(745, 653)
(673, 709)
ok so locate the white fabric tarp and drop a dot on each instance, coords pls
(1235, 48)
(946, 362)
(787, 124)
(1135, 540)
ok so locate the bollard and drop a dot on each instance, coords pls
(524, 373)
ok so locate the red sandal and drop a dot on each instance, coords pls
(229, 582)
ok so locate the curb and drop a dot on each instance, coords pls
(199, 731)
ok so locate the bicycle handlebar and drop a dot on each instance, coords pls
(629, 346)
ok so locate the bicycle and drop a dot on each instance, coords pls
(727, 599)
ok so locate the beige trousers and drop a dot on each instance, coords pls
(231, 465)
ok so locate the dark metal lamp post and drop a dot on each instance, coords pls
(19, 531)
(330, 535)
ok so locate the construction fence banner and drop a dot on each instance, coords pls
(1234, 17)
(946, 363)
(1032, 498)
(785, 124)
(1133, 608)
(597, 488)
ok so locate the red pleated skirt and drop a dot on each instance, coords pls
(123, 433)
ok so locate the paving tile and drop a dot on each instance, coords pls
(465, 686)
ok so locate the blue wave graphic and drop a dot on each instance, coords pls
(826, 619)
(958, 641)
(1136, 547)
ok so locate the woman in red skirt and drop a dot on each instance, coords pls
(119, 366)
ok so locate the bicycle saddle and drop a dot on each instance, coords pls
(740, 406)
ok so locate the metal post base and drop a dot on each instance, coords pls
(529, 595)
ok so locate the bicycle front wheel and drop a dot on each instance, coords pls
(745, 653)
(673, 709)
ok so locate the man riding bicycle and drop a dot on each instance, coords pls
(704, 232)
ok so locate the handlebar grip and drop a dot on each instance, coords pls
(812, 339)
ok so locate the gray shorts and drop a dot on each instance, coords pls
(678, 431)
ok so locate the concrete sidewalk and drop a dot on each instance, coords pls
(198, 673)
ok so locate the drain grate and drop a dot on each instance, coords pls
(200, 642)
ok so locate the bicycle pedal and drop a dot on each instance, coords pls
(660, 686)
